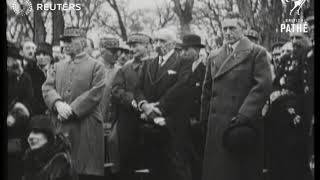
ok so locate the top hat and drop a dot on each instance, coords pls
(109, 43)
(191, 40)
(71, 32)
(45, 48)
(138, 38)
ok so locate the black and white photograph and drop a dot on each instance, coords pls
(160, 89)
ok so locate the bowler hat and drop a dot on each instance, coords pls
(138, 38)
(45, 48)
(241, 138)
(71, 32)
(191, 40)
(13, 51)
(109, 43)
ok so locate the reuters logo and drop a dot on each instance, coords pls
(22, 9)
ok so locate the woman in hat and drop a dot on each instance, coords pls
(44, 61)
(48, 155)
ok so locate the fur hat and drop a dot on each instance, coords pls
(43, 124)
(45, 48)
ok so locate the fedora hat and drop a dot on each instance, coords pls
(241, 138)
(191, 40)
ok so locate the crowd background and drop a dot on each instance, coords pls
(109, 28)
(122, 17)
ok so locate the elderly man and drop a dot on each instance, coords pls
(126, 113)
(28, 50)
(236, 86)
(159, 97)
(287, 140)
(72, 91)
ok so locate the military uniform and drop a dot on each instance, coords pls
(287, 121)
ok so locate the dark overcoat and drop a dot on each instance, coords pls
(236, 84)
(125, 114)
(80, 83)
(171, 146)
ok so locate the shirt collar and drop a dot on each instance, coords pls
(234, 45)
(167, 56)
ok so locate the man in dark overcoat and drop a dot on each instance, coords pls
(191, 45)
(236, 86)
(126, 114)
(160, 93)
(73, 91)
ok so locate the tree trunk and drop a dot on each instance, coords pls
(39, 29)
(184, 28)
(57, 25)
(114, 6)
(184, 14)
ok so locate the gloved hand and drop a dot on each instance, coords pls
(64, 109)
(239, 119)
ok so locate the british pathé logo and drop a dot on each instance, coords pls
(297, 5)
(22, 8)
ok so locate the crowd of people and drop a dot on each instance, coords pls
(160, 108)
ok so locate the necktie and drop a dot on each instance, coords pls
(230, 49)
(161, 60)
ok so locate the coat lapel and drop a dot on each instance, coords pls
(164, 70)
(236, 57)
(152, 69)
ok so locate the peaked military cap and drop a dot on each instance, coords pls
(252, 33)
(72, 32)
(138, 38)
(109, 43)
(277, 44)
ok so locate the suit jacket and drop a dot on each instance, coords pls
(194, 88)
(80, 83)
(166, 86)
(236, 84)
